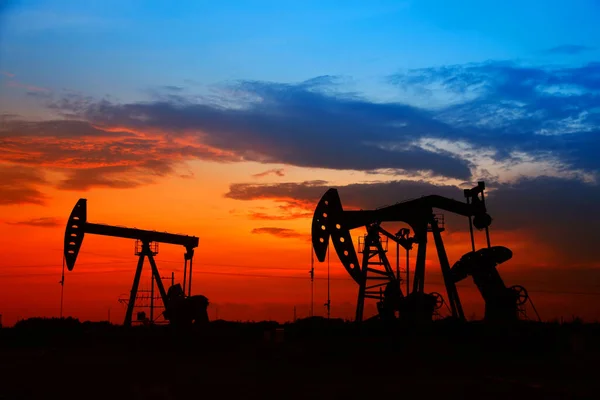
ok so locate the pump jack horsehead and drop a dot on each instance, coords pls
(502, 304)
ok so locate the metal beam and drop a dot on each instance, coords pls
(141, 234)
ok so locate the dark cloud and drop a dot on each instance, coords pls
(275, 171)
(569, 49)
(290, 124)
(298, 194)
(19, 185)
(116, 177)
(44, 222)
(281, 233)
(358, 195)
(548, 114)
(541, 111)
(173, 88)
(557, 213)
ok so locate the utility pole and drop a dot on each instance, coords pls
(62, 287)
(328, 304)
(312, 281)
(152, 300)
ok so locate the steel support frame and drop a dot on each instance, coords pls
(372, 240)
(146, 252)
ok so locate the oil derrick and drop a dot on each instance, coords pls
(330, 221)
(179, 308)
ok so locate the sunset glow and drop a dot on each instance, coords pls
(192, 118)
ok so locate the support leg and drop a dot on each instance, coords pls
(360, 304)
(159, 284)
(134, 289)
(453, 299)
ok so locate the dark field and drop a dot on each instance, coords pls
(311, 360)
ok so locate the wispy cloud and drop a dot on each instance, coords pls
(569, 49)
(20, 185)
(274, 171)
(29, 88)
(44, 222)
(283, 233)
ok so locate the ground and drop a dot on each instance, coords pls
(312, 360)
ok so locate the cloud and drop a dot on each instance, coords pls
(294, 124)
(550, 114)
(554, 215)
(305, 195)
(275, 217)
(275, 171)
(300, 195)
(569, 49)
(29, 88)
(283, 233)
(11, 82)
(88, 156)
(19, 185)
(514, 121)
(44, 222)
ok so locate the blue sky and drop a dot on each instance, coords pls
(124, 48)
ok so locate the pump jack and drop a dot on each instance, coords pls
(330, 220)
(179, 308)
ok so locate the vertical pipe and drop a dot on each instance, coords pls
(419, 277)
(487, 229)
(190, 279)
(398, 262)
(471, 230)
(407, 274)
(185, 272)
(152, 299)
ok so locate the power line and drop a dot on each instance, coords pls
(21, 275)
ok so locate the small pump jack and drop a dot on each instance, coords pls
(179, 308)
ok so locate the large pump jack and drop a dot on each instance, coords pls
(180, 310)
(331, 221)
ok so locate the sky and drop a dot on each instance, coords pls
(229, 120)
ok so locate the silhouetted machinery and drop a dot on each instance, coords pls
(180, 310)
(375, 276)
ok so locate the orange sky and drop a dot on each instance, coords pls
(166, 118)
(246, 276)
